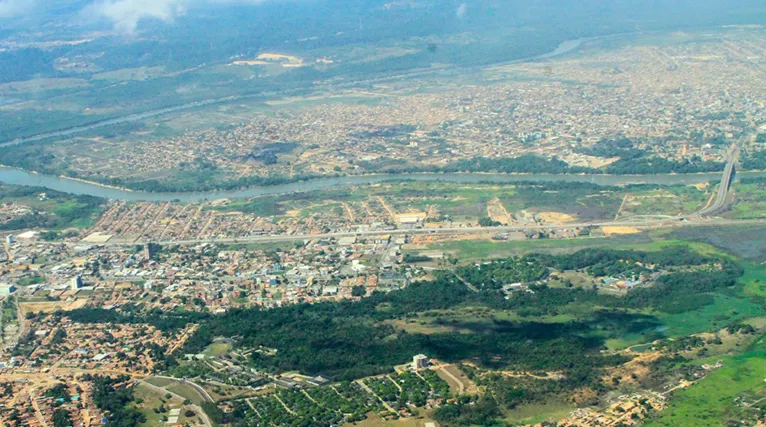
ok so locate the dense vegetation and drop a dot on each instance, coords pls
(350, 340)
(59, 210)
(755, 160)
(634, 161)
(113, 400)
(652, 165)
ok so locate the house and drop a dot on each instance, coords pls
(381, 240)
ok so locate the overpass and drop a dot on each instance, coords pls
(721, 198)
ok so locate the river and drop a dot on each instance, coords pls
(563, 48)
(21, 177)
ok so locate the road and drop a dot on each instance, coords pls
(200, 391)
(196, 408)
(720, 200)
(661, 222)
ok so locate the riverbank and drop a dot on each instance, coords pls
(78, 186)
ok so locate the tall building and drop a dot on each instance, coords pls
(76, 283)
(420, 361)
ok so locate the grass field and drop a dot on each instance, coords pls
(744, 241)
(217, 349)
(159, 382)
(711, 402)
(151, 399)
(754, 279)
(750, 201)
(538, 413)
(184, 390)
(374, 420)
(187, 392)
(672, 201)
(473, 250)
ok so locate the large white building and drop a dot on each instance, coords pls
(420, 361)
(7, 288)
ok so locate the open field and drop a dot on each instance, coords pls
(471, 250)
(746, 242)
(755, 280)
(458, 382)
(152, 399)
(374, 420)
(50, 306)
(749, 202)
(538, 413)
(713, 401)
(217, 349)
(186, 391)
(672, 201)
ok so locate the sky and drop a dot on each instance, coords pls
(12, 8)
(124, 15)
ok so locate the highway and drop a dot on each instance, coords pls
(723, 189)
(657, 223)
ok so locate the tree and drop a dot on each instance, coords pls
(488, 222)
(61, 418)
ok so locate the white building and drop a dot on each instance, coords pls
(420, 361)
(76, 283)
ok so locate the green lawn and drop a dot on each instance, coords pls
(217, 349)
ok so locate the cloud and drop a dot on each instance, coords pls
(13, 8)
(126, 14)
(461, 10)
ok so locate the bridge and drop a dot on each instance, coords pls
(721, 200)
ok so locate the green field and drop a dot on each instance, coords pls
(217, 349)
(51, 210)
(672, 201)
(711, 402)
(750, 201)
(754, 279)
(538, 413)
(476, 250)
(150, 399)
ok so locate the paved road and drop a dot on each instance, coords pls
(661, 222)
(200, 391)
(723, 188)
